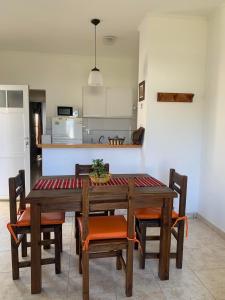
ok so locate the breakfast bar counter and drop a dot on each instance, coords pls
(87, 146)
(60, 159)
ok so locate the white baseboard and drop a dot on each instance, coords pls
(220, 232)
(192, 215)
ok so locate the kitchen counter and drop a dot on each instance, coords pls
(87, 146)
(60, 159)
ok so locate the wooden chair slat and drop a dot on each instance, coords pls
(84, 170)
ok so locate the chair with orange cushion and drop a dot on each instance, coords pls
(79, 171)
(106, 236)
(151, 217)
(20, 226)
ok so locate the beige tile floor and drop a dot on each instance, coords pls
(202, 276)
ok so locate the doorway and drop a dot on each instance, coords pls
(37, 101)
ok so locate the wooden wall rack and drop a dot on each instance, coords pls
(175, 97)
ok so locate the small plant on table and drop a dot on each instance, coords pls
(99, 173)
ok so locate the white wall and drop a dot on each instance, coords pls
(172, 59)
(212, 197)
(62, 161)
(63, 76)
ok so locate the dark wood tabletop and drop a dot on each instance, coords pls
(73, 196)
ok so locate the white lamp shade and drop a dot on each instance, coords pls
(95, 78)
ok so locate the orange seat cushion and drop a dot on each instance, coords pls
(105, 227)
(46, 218)
(151, 213)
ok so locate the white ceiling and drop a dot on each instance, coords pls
(63, 26)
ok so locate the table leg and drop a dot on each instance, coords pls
(35, 249)
(165, 239)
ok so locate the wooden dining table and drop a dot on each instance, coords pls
(49, 200)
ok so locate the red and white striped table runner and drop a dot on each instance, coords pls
(76, 183)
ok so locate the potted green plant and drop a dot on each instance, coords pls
(99, 173)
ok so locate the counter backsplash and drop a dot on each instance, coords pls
(99, 130)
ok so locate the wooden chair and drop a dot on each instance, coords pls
(106, 236)
(84, 170)
(20, 227)
(151, 217)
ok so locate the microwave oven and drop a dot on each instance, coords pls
(65, 111)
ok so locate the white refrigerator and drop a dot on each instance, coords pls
(66, 130)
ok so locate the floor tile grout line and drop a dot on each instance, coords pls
(207, 269)
(200, 283)
(70, 248)
(204, 285)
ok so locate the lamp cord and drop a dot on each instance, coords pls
(95, 46)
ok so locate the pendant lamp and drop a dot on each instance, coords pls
(95, 76)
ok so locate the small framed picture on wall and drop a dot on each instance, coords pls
(141, 91)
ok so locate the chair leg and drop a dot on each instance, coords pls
(180, 245)
(24, 246)
(135, 246)
(15, 259)
(129, 269)
(76, 233)
(136, 226)
(118, 260)
(57, 250)
(80, 255)
(85, 267)
(47, 236)
(75, 221)
(61, 241)
(143, 245)
(77, 236)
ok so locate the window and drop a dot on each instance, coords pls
(15, 99)
(2, 98)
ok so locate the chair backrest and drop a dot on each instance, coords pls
(178, 183)
(86, 169)
(92, 197)
(16, 189)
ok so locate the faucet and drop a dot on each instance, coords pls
(100, 139)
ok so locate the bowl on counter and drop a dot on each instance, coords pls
(116, 140)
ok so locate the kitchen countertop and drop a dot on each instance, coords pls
(87, 146)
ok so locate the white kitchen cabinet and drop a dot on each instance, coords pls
(108, 102)
(119, 102)
(94, 101)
